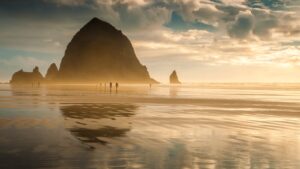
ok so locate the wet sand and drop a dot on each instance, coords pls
(189, 126)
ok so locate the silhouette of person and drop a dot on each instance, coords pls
(105, 86)
(117, 85)
(110, 86)
(150, 85)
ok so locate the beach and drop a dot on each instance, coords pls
(189, 126)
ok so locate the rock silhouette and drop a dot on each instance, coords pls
(52, 73)
(100, 52)
(174, 78)
(22, 77)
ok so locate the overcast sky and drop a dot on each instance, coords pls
(204, 40)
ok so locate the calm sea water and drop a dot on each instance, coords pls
(204, 126)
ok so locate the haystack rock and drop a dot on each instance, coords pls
(22, 77)
(174, 78)
(100, 52)
(52, 72)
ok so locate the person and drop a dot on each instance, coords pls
(117, 85)
(150, 85)
(110, 86)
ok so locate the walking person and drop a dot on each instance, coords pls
(110, 86)
(117, 86)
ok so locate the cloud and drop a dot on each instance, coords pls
(242, 27)
(171, 32)
(272, 4)
(177, 23)
(295, 43)
(134, 16)
(67, 2)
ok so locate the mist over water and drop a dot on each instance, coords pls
(195, 126)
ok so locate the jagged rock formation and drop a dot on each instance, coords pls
(52, 73)
(22, 77)
(174, 78)
(100, 52)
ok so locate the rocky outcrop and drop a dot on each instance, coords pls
(100, 52)
(22, 77)
(174, 78)
(52, 73)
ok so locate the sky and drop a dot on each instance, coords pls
(203, 40)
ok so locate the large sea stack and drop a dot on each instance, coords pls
(174, 78)
(100, 52)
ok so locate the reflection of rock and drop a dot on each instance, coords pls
(52, 72)
(173, 90)
(97, 111)
(94, 135)
(97, 123)
(100, 52)
(22, 77)
(174, 78)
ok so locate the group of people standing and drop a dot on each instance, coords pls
(110, 86)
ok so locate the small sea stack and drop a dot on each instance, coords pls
(174, 78)
(21, 77)
(52, 73)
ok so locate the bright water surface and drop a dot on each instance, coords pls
(206, 126)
